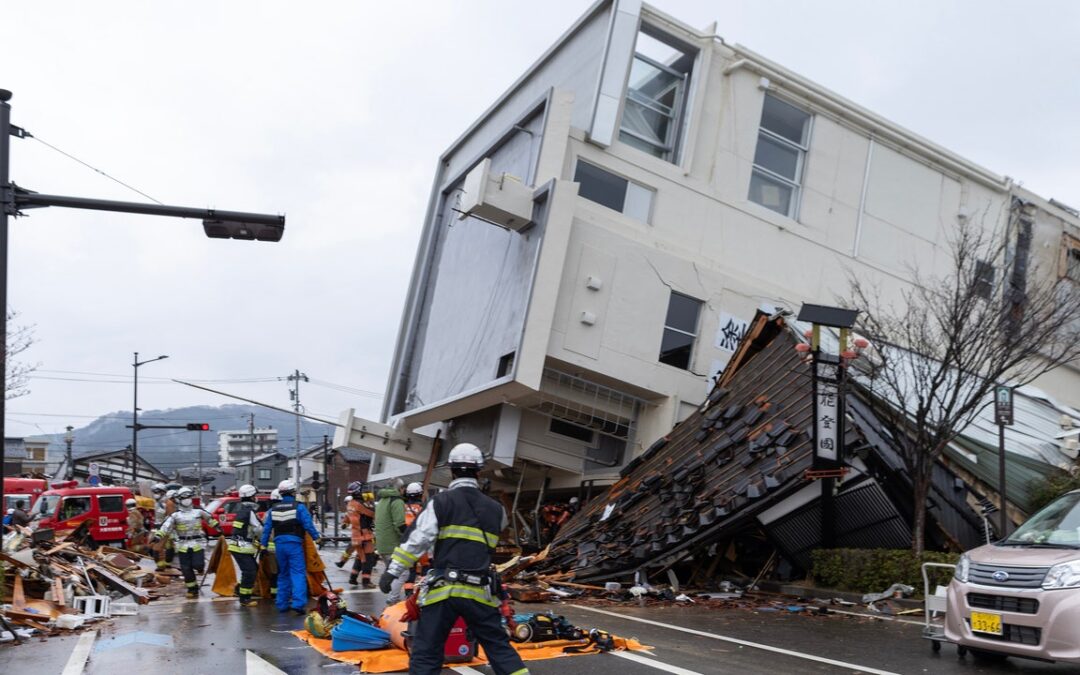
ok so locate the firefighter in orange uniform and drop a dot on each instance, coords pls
(360, 517)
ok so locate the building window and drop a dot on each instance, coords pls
(680, 330)
(264, 474)
(778, 160)
(569, 430)
(1072, 259)
(614, 192)
(984, 279)
(654, 109)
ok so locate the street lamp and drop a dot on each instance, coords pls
(135, 417)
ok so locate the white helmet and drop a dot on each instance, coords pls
(348, 498)
(286, 487)
(131, 502)
(246, 491)
(158, 488)
(466, 456)
(170, 494)
(275, 495)
(185, 493)
(414, 489)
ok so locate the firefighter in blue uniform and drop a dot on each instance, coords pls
(288, 522)
(464, 525)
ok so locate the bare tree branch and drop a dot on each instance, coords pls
(956, 334)
(19, 339)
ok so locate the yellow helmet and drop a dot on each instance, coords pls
(317, 626)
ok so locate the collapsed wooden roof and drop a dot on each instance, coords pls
(740, 460)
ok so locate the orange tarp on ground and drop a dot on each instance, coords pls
(396, 660)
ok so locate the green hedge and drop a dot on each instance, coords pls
(874, 570)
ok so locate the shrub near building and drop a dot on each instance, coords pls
(874, 570)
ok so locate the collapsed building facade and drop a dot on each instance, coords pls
(597, 242)
(734, 481)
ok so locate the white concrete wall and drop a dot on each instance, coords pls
(875, 200)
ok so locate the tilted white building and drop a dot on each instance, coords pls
(632, 200)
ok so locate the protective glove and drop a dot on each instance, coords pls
(386, 581)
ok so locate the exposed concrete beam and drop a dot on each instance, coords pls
(381, 439)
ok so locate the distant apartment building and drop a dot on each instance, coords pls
(25, 456)
(241, 445)
(596, 243)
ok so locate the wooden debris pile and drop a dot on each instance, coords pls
(42, 580)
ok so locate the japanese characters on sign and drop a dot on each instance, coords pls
(827, 412)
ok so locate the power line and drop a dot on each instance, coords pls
(93, 168)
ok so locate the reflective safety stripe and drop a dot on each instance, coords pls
(402, 556)
(283, 515)
(521, 671)
(481, 594)
(245, 591)
(469, 533)
(242, 548)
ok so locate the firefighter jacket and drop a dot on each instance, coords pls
(361, 518)
(289, 519)
(186, 527)
(464, 525)
(136, 525)
(246, 529)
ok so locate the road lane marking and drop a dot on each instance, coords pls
(652, 663)
(744, 643)
(77, 661)
(465, 670)
(255, 665)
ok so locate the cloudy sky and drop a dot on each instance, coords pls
(334, 113)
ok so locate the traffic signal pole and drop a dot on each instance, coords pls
(216, 224)
(7, 208)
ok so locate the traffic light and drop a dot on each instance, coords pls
(315, 484)
(198, 426)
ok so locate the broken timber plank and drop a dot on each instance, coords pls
(117, 583)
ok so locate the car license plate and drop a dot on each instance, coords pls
(983, 622)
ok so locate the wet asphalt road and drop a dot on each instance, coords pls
(216, 637)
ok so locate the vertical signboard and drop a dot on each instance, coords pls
(1003, 405)
(828, 412)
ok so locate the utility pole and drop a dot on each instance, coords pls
(68, 440)
(251, 432)
(198, 469)
(294, 394)
(326, 481)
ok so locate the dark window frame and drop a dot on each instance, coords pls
(682, 356)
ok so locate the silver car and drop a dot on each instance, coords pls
(1021, 596)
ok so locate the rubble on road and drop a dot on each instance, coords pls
(50, 586)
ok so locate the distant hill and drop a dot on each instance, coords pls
(170, 449)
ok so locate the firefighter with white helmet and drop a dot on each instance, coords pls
(186, 524)
(163, 552)
(246, 530)
(289, 520)
(464, 525)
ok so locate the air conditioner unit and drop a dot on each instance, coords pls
(502, 200)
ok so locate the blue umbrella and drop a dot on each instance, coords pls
(352, 634)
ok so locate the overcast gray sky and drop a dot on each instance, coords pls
(335, 113)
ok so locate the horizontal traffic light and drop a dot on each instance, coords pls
(198, 426)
